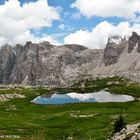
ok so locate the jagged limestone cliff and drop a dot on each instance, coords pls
(47, 64)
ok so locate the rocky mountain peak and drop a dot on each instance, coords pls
(51, 65)
(134, 34)
(116, 39)
(45, 43)
(28, 43)
(113, 50)
(134, 42)
(6, 47)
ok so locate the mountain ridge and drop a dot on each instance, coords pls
(51, 65)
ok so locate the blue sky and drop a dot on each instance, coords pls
(72, 23)
(67, 19)
(84, 22)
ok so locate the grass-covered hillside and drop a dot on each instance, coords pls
(23, 120)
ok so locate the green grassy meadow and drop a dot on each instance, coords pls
(23, 120)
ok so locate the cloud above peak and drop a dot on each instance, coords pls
(17, 19)
(127, 9)
(97, 38)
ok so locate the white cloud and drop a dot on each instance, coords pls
(98, 37)
(61, 26)
(17, 20)
(108, 8)
(27, 36)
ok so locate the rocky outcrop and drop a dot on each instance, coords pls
(7, 97)
(113, 50)
(134, 42)
(45, 64)
(131, 132)
(50, 65)
(7, 61)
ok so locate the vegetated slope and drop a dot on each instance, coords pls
(20, 118)
(25, 120)
(47, 64)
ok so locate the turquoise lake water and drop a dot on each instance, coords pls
(101, 96)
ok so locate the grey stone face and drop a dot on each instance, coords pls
(114, 48)
(133, 40)
(138, 48)
(47, 64)
(7, 61)
(44, 64)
